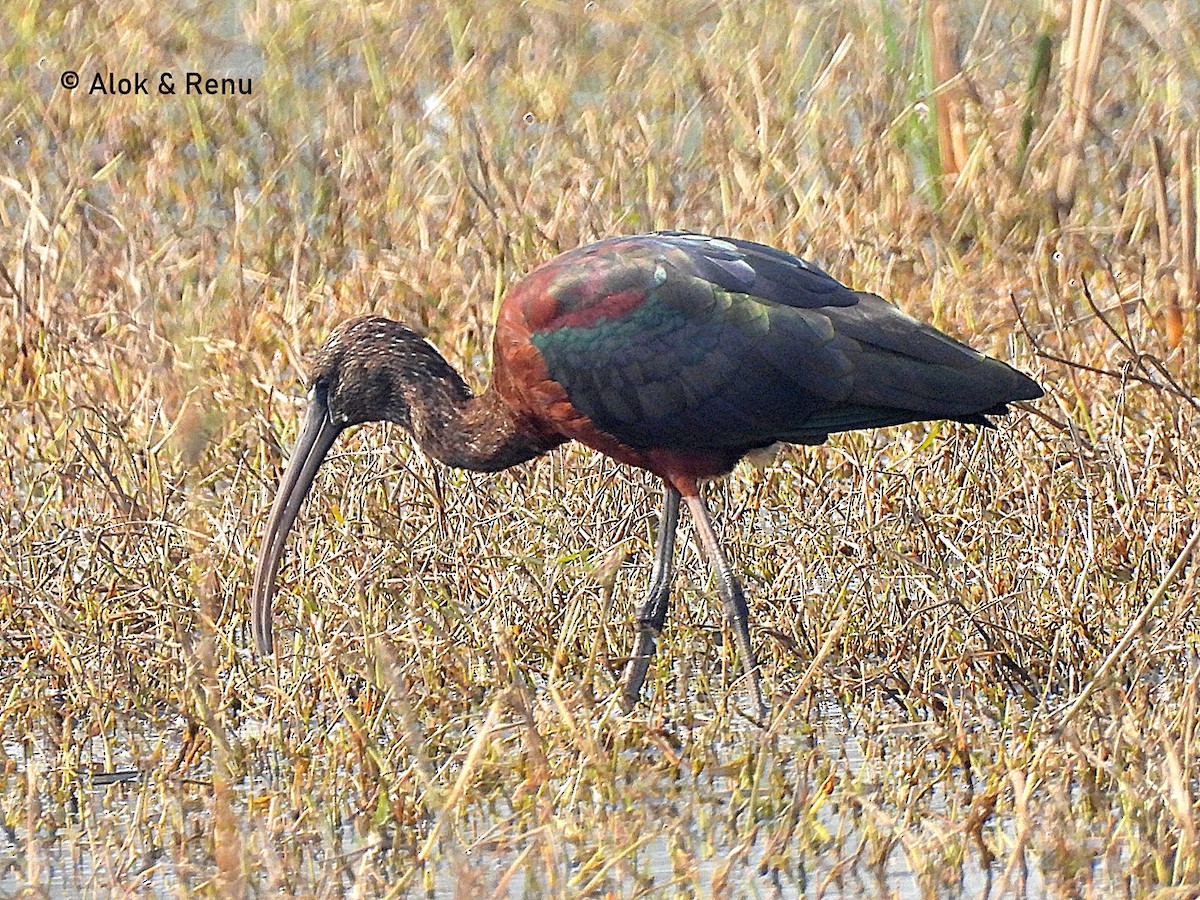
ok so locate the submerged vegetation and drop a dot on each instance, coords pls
(979, 646)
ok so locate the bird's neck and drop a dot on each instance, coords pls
(482, 433)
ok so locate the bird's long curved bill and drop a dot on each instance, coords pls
(317, 435)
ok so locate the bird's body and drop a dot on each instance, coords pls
(681, 353)
(674, 352)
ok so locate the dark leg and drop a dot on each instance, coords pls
(652, 614)
(731, 596)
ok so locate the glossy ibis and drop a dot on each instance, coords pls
(676, 352)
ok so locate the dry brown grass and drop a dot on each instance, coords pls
(980, 646)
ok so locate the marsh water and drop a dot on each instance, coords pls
(161, 817)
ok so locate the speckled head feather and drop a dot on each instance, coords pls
(368, 368)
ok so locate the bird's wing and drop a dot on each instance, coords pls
(683, 341)
(755, 269)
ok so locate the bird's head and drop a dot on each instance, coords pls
(361, 371)
(364, 372)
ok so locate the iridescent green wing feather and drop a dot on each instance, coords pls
(682, 341)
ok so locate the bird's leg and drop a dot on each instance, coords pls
(652, 614)
(732, 597)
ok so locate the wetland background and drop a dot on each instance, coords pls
(980, 646)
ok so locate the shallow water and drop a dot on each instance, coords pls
(129, 829)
